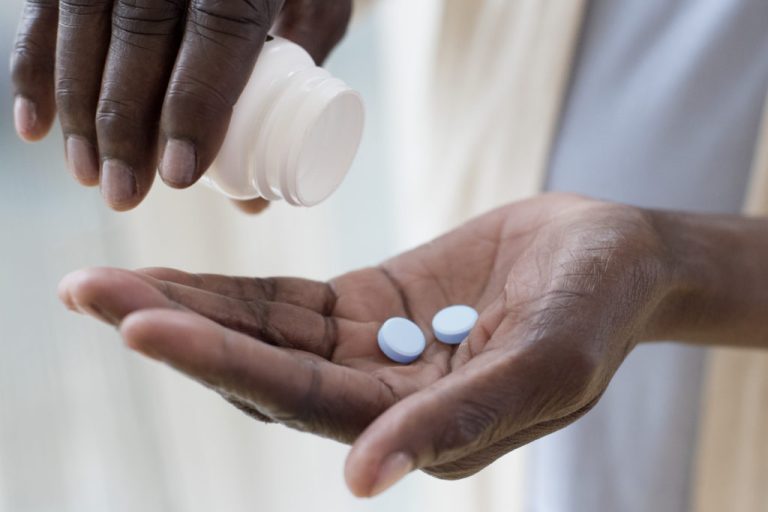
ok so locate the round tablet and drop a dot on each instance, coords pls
(401, 340)
(452, 324)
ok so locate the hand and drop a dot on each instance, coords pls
(141, 82)
(565, 288)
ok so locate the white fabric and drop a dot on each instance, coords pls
(470, 134)
(664, 110)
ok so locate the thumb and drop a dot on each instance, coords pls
(455, 416)
(500, 399)
(316, 25)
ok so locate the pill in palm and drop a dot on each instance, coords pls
(401, 340)
(452, 324)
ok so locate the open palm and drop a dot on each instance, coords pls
(563, 286)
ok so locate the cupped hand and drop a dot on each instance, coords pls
(565, 288)
(144, 82)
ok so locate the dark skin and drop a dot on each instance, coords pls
(566, 287)
(145, 84)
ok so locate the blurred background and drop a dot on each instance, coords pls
(85, 425)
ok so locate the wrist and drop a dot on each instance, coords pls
(712, 285)
(675, 279)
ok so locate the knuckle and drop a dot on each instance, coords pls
(76, 108)
(257, 322)
(31, 62)
(242, 19)
(82, 8)
(115, 115)
(210, 72)
(198, 98)
(146, 18)
(69, 95)
(82, 18)
(33, 52)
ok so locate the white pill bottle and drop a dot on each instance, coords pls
(294, 131)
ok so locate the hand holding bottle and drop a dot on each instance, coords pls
(145, 85)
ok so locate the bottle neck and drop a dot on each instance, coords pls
(287, 137)
(293, 133)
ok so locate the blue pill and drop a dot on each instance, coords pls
(401, 340)
(452, 324)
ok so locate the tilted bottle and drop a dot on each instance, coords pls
(294, 131)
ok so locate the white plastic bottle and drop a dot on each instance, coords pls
(294, 131)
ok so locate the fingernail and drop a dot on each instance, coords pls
(118, 184)
(25, 117)
(82, 160)
(179, 163)
(391, 471)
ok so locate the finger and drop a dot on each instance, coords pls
(286, 311)
(252, 206)
(316, 25)
(112, 294)
(278, 323)
(32, 69)
(313, 295)
(220, 45)
(83, 40)
(494, 396)
(421, 428)
(297, 389)
(145, 39)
